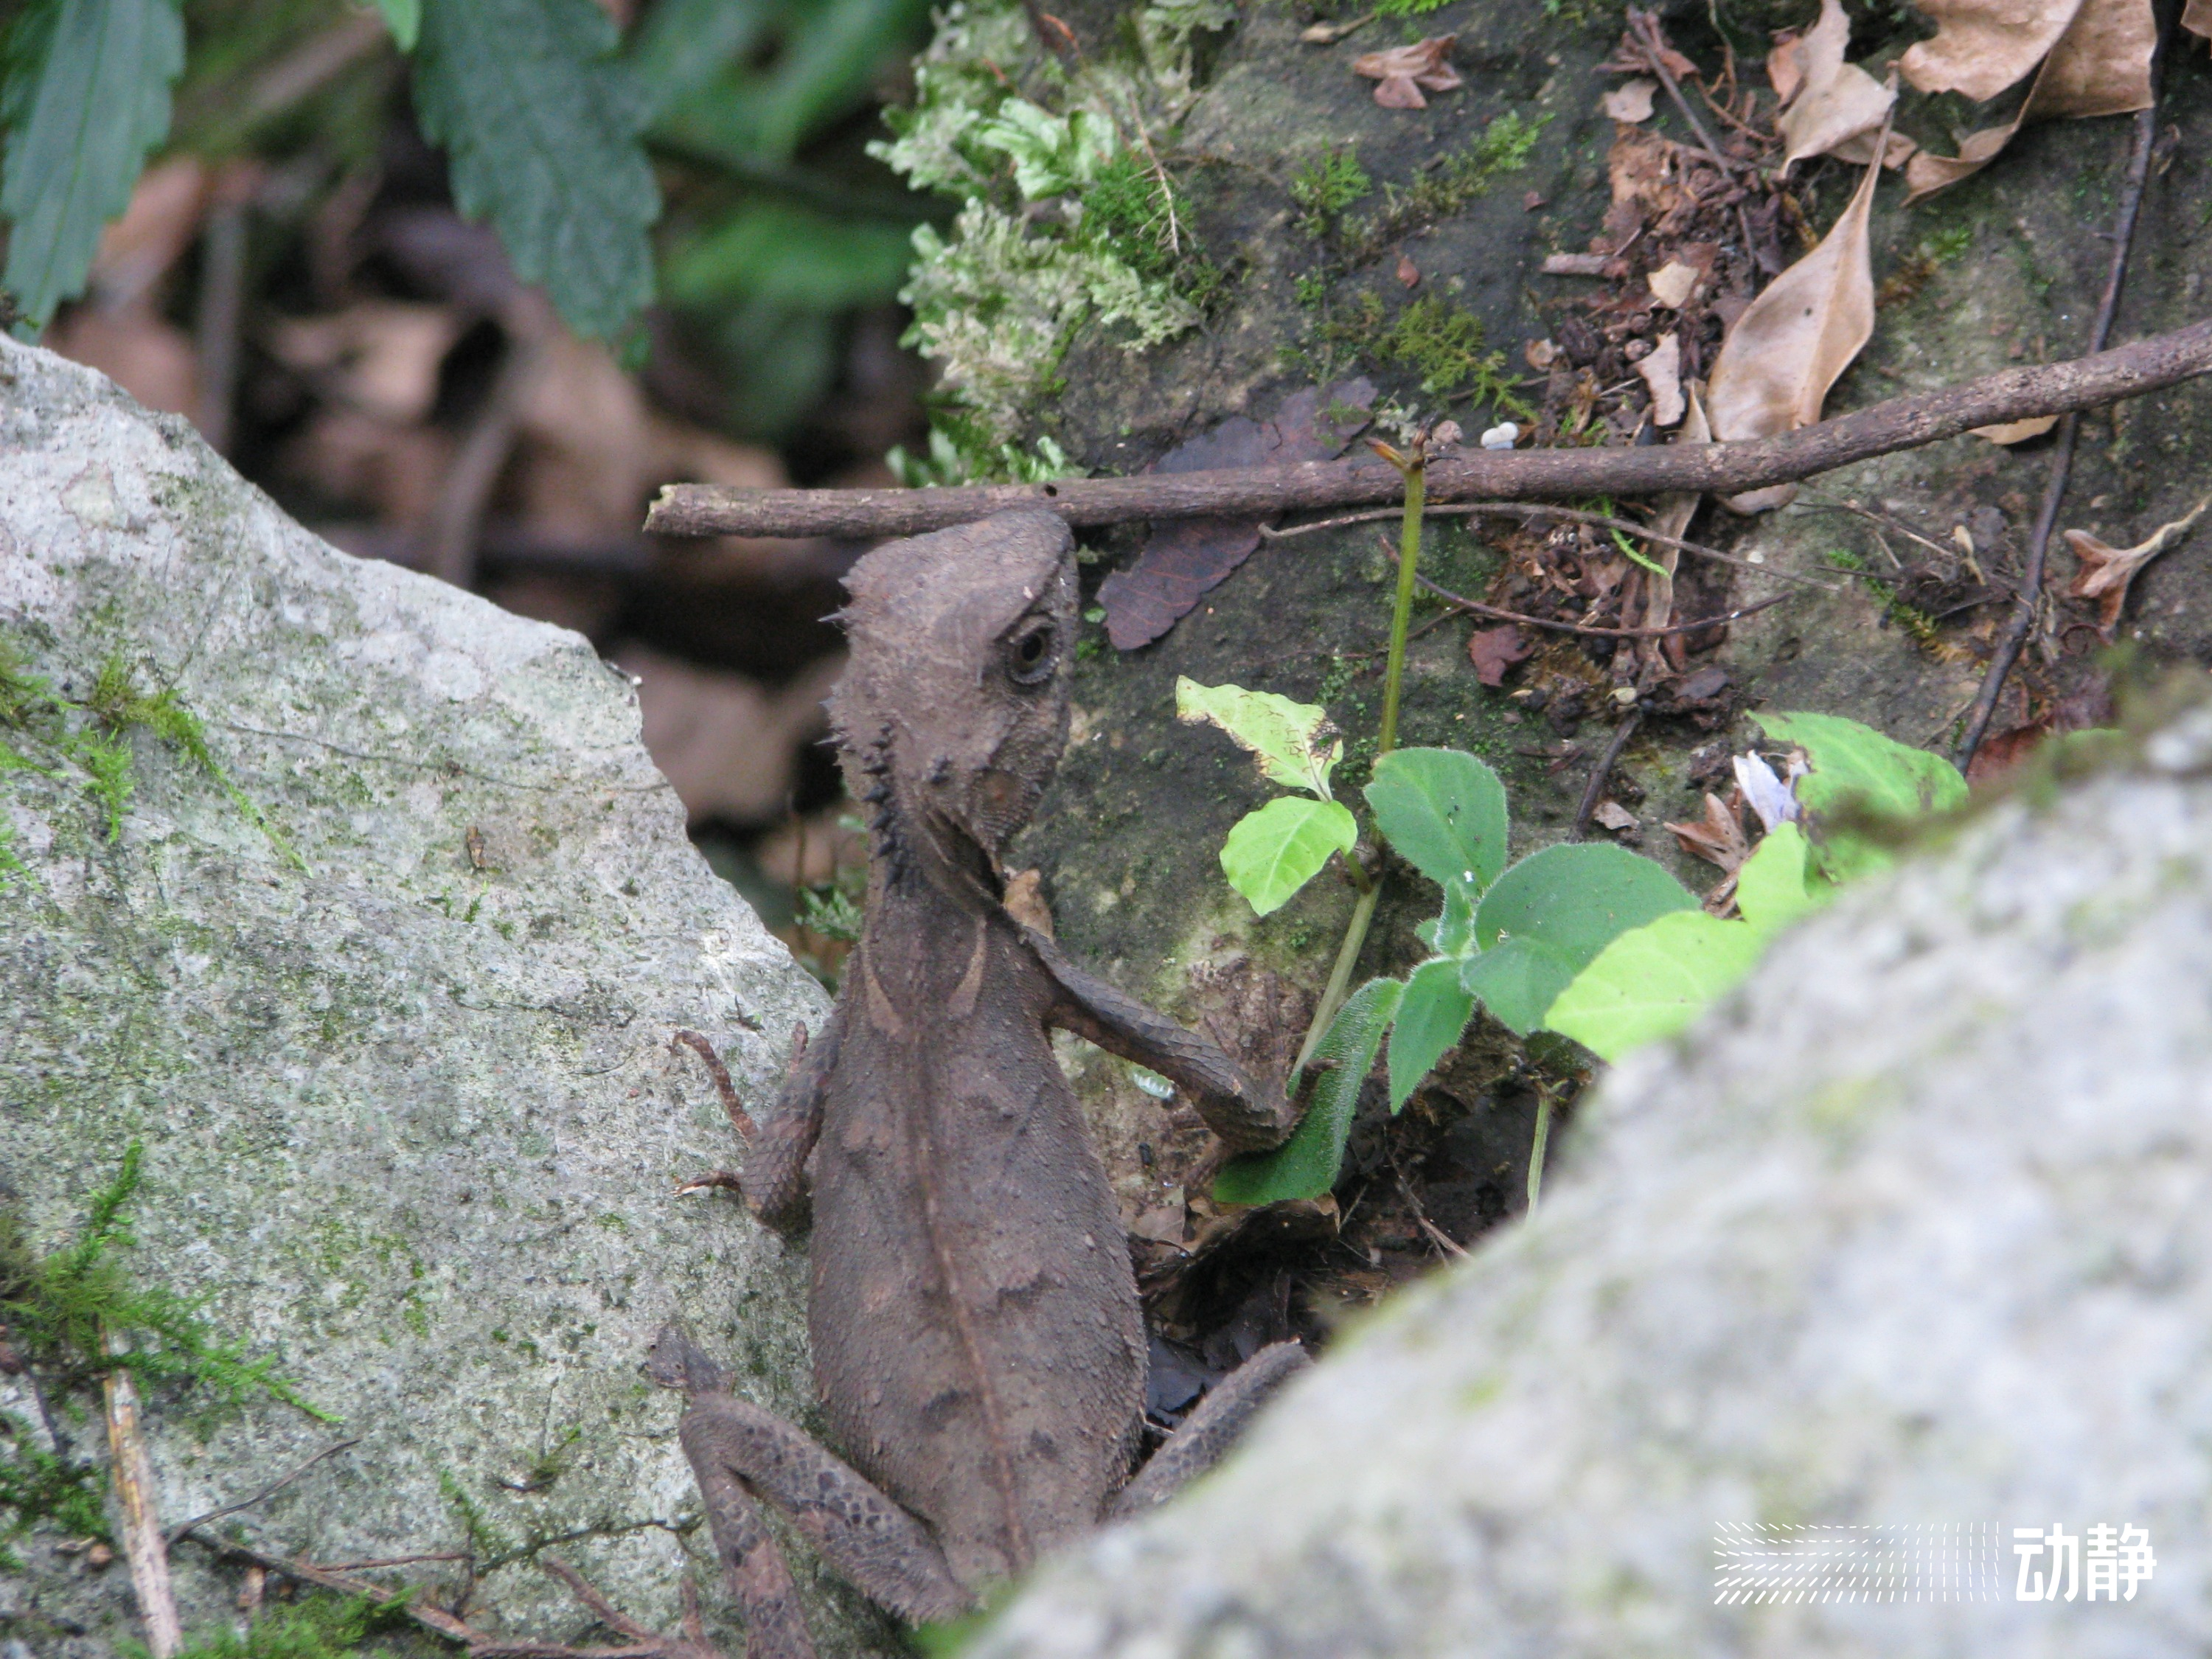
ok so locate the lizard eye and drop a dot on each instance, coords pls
(1033, 653)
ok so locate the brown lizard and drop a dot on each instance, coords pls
(978, 1346)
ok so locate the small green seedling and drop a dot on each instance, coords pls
(1277, 849)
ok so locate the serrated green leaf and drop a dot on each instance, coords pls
(1777, 885)
(86, 97)
(1653, 980)
(1444, 810)
(1431, 1014)
(1305, 1165)
(1291, 741)
(540, 124)
(1856, 769)
(1516, 981)
(405, 19)
(1271, 852)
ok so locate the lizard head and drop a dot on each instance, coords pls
(953, 710)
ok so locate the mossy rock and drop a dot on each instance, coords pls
(411, 1123)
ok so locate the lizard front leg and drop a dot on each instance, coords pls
(739, 1453)
(1248, 1116)
(774, 1184)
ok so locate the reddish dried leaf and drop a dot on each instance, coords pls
(1404, 71)
(1494, 650)
(1839, 100)
(1186, 559)
(1982, 46)
(1631, 101)
(2108, 572)
(1717, 837)
(1408, 272)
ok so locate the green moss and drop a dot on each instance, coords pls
(1432, 338)
(322, 1627)
(1916, 624)
(1503, 147)
(1326, 185)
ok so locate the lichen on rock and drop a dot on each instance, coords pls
(412, 1125)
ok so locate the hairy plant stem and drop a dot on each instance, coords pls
(1412, 468)
(1536, 1151)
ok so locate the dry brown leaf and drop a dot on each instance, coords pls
(1785, 72)
(1408, 272)
(1404, 71)
(1672, 519)
(1789, 345)
(1717, 837)
(1673, 283)
(148, 356)
(381, 357)
(1642, 170)
(1661, 369)
(727, 744)
(2100, 65)
(1576, 264)
(1982, 46)
(2016, 432)
(810, 851)
(2107, 571)
(1631, 101)
(1494, 650)
(1838, 100)
(1540, 354)
(1024, 902)
(1612, 815)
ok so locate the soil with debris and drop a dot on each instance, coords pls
(1917, 556)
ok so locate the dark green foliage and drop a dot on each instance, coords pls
(62, 1308)
(830, 912)
(37, 1485)
(86, 95)
(1441, 192)
(541, 125)
(322, 1627)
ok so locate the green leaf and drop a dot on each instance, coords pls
(1653, 980)
(86, 96)
(1306, 1164)
(405, 19)
(1444, 810)
(1518, 982)
(1431, 1014)
(1776, 884)
(1286, 737)
(540, 124)
(1452, 933)
(781, 254)
(1557, 909)
(1856, 769)
(1274, 852)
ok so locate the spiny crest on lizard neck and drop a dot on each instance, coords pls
(953, 709)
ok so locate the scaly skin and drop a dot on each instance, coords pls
(977, 1341)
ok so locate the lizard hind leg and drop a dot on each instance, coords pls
(1208, 1433)
(740, 1453)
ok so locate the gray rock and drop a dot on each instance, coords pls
(1912, 1235)
(411, 1121)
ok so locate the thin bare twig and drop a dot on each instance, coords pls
(1595, 790)
(132, 1472)
(1645, 27)
(1574, 515)
(1481, 610)
(2030, 601)
(269, 1491)
(457, 515)
(1261, 492)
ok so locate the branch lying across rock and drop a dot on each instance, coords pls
(2013, 394)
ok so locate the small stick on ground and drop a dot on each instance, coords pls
(1599, 774)
(1476, 608)
(2030, 602)
(1645, 29)
(132, 1472)
(1261, 492)
(269, 1491)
